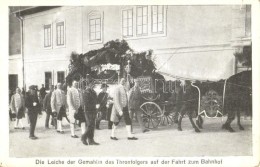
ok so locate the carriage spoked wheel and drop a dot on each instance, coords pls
(151, 114)
(167, 116)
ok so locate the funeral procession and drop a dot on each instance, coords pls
(130, 81)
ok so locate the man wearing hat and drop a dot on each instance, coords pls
(33, 106)
(89, 104)
(102, 104)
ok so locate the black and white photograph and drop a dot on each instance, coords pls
(149, 84)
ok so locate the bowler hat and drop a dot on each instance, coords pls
(104, 86)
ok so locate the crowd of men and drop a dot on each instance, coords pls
(82, 107)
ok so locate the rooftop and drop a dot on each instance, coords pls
(27, 10)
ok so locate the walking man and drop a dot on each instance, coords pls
(42, 92)
(47, 109)
(33, 106)
(58, 102)
(135, 98)
(102, 101)
(120, 108)
(74, 101)
(89, 103)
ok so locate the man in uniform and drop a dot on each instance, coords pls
(33, 106)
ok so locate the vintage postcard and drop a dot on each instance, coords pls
(137, 83)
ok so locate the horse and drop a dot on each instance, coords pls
(238, 98)
(186, 102)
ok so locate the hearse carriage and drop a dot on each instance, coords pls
(165, 101)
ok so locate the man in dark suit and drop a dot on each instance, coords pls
(89, 103)
(102, 102)
(42, 91)
(33, 106)
(135, 99)
(47, 109)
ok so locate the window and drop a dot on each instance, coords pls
(60, 76)
(142, 20)
(47, 36)
(60, 34)
(157, 19)
(48, 80)
(128, 22)
(95, 25)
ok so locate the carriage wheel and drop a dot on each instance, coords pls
(167, 118)
(151, 114)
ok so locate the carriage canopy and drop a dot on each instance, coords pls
(197, 65)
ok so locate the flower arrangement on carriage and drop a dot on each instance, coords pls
(164, 101)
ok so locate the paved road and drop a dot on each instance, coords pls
(165, 141)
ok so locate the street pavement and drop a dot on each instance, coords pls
(165, 141)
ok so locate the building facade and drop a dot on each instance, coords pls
(15, 58)
(195, 42)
